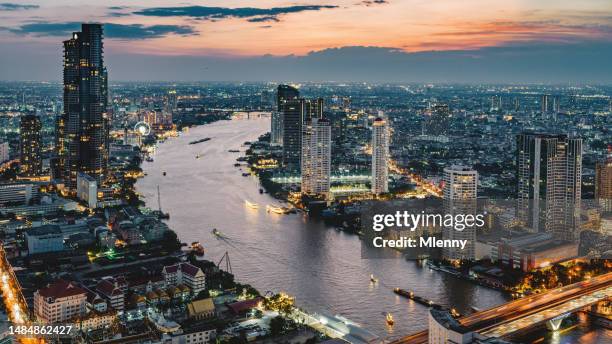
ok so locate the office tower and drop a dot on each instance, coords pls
(4, 152)
(316, 157)
(517, 104)
(295, 112)
(380, 156)
(438, 121)
(603, 184)
(545, 103)
(460, 195)
(276, 128)
(172, 101)
(83, 129)
(556, 108)
(496, 103)
(29, 143)
(284, 93)
(549, 172)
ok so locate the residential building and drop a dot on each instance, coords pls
(19, 193)
(30, 146)
(380, 156)
(316, 157)
(4, 152)
(460, 195)
(603, 184)
(59, 302)
(549, 179)
(113, 291)
(187, 274)
(82, 129)
(87, 190)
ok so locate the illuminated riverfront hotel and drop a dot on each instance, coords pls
(380, 156)
(82, 129)
(30, 141)
(316, 157)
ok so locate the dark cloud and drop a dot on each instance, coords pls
(263, 19)
(118, 31)
(117, 14)
(205, 12)
(6, 6)
(374, 2)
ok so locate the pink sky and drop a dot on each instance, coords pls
(410, 25)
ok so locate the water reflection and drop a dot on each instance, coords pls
(322, 267)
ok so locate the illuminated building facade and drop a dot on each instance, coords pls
(460, 194)
(30, 142)
(316, 157)
(380, 156)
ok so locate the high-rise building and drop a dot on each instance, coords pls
(380, 156)
(276, 128)
(295, 112)
(603, 184)
(83, 128)
(438, 122)
(284, 93)
(545, 103)
(556, 106)
(549, 178)
(30, 142)
(4, 152)
(316, 157)
(460, 195)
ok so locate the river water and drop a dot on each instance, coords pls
(320, 266)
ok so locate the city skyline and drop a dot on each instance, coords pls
(548, 42)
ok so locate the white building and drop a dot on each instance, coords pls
(380, 156)
(186, 274)
(4, 152)
(316, 157)
(113, 291)
(460, 196)
(59, 302)
(87, 190)
(21, 193)
(47, 238)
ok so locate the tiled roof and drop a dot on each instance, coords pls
(61, 289)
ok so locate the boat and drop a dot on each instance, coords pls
(261, 191)
(389, 319)
(199, 141)
(234, 151)
(251, 204)
(216, 232)
(373, 279)
(197, 156)
(164, 173)
(197, 248)
(276, 210)
(149, 159)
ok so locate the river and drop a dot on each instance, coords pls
(320, 266)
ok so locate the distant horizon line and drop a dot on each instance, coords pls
(467, 83)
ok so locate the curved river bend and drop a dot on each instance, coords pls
(320, 266)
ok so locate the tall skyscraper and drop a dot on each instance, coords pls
(30, 144)
(284, 93)
(460, 195)
(549, 178)
(82, 130)
(295, 112)
(380, 156)
(603, 184)
(316, 157)
(545, 103)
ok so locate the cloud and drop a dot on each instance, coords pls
(263, 19)
(374, 2)
(6, 6)
(211, 13)
(117, 31)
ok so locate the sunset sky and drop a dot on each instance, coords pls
(244, 31)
